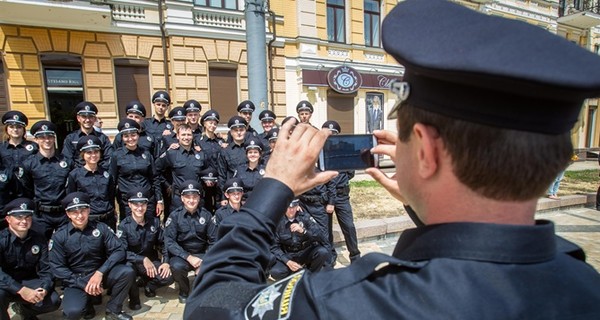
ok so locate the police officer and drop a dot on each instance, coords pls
(25, 276)
(86, 117)
(178, 165)
(299, 243)
(271, 137)
(478, 252)
(17, 148)
(177, 116)
(142, 236)
(245, 110)
(189, 233)
(133, 167)
(338, 190)
(212, 193)
(253, 170)
(235, 153)
(89, 258)
(209, 142)
(94, 181)
(43, 177)
(192, 114)
(234, 192)
(305, 110)
(158, 125)
(136, 111)
(267, 121)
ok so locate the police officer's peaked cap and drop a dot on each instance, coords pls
(236, 121)
(86, 108)
(273, 134)
(137, 195)
(233, 184)
(267, 115)
(253, 143)
(177, 114)
(135, 107)
(128, 125)
(76, 200)
(15, 117)
(211, 115)
(190, 186)
(89, 142)
(246, 106)
(192, 106)
(288, 118)
(43, 128)
(208, 174)
(489, 70)
(20, 207)
(332, 125)
(304, 106)
(161, 96)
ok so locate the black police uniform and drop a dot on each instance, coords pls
(229, 159)
(75, 255)
(211, 147)
(187, 234)
(12, 156)
(249, 177)
(178, 165)
(100, 186)
(308, 249)
(212, 194)
(153, 126)
(339, 196)
(24, 263)
(144, 241)
(44, 180)
(131, 169)
(145, 142)
(312, 201)
(223, 213)
(271, 135)
(8, 187)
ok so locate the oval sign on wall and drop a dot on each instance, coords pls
(344, 79)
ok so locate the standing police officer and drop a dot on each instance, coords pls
(44, 178)
(235, 154)
(142, 236)
(136, 111)
(189, 233)
(86, 117)
(192, 114)
(305, 110)
(299, 242)
(212, 193)
(17, 148)
(159, 125)
(267, 121)
(25, 276)
(89, 258)
(209, 142)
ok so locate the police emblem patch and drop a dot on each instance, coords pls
(23, 206)
(261, 172)
(275, 301)
(152, 229)
(45, 127)
(168, 125)
(50, 245)
(20, 172)
(202, 220)
(29, 147)
(197, 156)
(96, 233)
(139, 194)
(106, 174)
(144, 155)
(35, 249)
(149, 138)
(3, 177)
(168, 222)
(63, 164)
(76, 200)
(119, 233)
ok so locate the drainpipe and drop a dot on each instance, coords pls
(163, 40)
(270, 53)
(257, 59)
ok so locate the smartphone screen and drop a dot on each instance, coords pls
(348, 152)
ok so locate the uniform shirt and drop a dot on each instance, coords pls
(99, 185)
(446, 271)
(229, 159)
(189, 233)
(45, 179)
(8, 188)
(71, 152)
(23, 259)
(167, 141)
(145, 142)
(339, 186)
(133, 169)
(250, 132)
(212, 149)
(249, 177)
(285, 239)
(223, 213)
(178, 165)
(14, 155)
(76, 254)
(142, 241)
(155, 128)
(263, 138)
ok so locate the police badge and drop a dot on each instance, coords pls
(3, 177)
(153, 229)
(197, 156)
(144, 155)
(106, 174)
(149, 138)
(50, 244)
(119, 233)
(96, 233)
(35, 249)
(168, 222)
(29, 147)
(63, 164)
(202, 220)
(261, 172)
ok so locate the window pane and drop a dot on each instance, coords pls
(336, 2)
(341, 30)
(368, 30)
(231, 4)
(371, 5)
(375, 36)
(330, 25)
(200, 2)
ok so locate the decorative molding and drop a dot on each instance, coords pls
(336, 53)
(379, 57)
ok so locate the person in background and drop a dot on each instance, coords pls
(253, 170)
(136, 111)
(158, 125)
(212, 193)
(25, 276)
(305, 110)
(209, 142)
(267, 121)
(15, 147)
(98, 124)
(271, 137)
(234, 192)
(235, 153)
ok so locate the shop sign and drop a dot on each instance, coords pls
(344, 79)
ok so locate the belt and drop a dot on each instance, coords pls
(343, 190)
(299, 247)
(311, 198)
(51, 209)
(102, 216)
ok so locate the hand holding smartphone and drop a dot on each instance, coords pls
(344, 152)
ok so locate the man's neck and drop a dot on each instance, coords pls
(87, 131)
(47, 153)
(139, 220)
(159, 117)
(19, 234)
(235, 206)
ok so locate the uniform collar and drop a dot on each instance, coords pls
(479, 241)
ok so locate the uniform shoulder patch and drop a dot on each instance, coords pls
(50, 244)
(274, 301)
(168, 222)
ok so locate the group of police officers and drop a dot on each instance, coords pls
(146, 206)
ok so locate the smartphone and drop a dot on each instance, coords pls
(343, 152)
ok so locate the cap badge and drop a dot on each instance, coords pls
(162, 96)
(191, 105)
(90, 142)
(237, 121)
(87, 108)
(45, 127)
(179, 113)
(212, 114)
(247, 105)
(401, 89)
(16, 117)
(252, 142)
(126, 125)
(35, 249)
(135, 106)
(304, 105)
(23, 206)
(76, 200)
(235, 184)
(139, 194)
(190, 186)
(331, 126)
(210, 174)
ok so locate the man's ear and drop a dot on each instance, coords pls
(427, 141)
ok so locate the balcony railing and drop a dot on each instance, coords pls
(210, 17)
(568, 7)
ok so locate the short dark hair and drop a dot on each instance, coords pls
(183, 126)
(500, 164)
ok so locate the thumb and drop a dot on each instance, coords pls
(389, 183)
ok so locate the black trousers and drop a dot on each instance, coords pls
(180, 269)
(50, 303)
(118, 280)
(152, 283)
(345, 217)
(314, 258)
(46, 223)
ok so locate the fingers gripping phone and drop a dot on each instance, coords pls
(344, 152)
